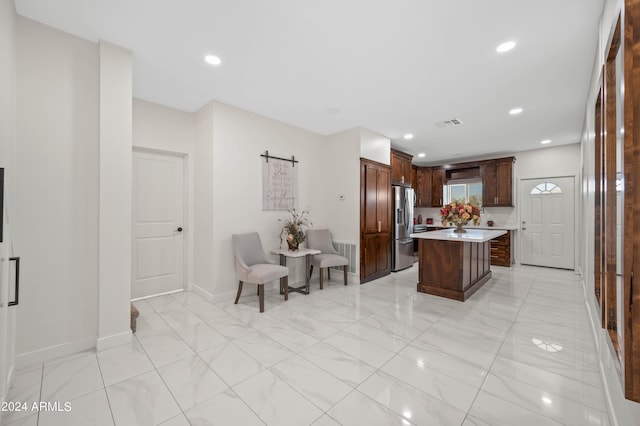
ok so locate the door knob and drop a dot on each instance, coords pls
(179, 229)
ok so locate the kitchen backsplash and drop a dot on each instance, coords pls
(501, 216)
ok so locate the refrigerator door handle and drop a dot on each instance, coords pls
(14, 302)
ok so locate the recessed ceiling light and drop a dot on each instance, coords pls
(515, 111)
(212, 60)
(422, 154)
(408, 136)
(546, 141)
(505, 47)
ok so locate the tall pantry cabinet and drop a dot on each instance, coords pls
(375, 220)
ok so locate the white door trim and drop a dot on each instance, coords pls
(576, 223)
(185, 206)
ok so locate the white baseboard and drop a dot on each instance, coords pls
(52, 352)
(103, 343)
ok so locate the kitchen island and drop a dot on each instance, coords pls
(454, 265)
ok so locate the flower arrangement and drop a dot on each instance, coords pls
(459, 214)
(293, 227)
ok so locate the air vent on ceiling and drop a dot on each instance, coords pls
(449, 123)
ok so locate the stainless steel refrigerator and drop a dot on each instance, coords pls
(402, 244)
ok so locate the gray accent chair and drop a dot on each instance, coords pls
(252, 266)
(320, 239)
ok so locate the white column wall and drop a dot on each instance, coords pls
(56, 225)
(114, 279)
(8, 162)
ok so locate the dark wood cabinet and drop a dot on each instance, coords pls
(437, 181)
(502, 250)
(497, 182)
(375, 220)
(401, 169)
(423, 187)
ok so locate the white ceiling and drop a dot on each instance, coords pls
(394, 67)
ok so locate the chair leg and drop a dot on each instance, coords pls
(261, 296)
(321, 278)
(329, 274)
(239, 292)
(345, 274)
(286, 287)
(310, 271)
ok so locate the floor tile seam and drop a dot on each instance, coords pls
(358, 358)
(527, 409)
(409, 385)
(239, 398)
(494, 358)
(561, 362)
(40, 394)
(252, 357)
(540, 413)
(175, 399)
(405, 421)
(446, 355)
(379, 345)
(333, 375)
(569, 346)
(595, 388)
(104, 389)
(285, 383)
(155, 368)
(317, 338)
(272, 371)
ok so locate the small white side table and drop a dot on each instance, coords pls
(301, 252)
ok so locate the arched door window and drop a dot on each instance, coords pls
(546, 188)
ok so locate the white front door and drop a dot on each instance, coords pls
(158, 224)
(547, 222)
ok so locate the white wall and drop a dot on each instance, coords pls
(156, 127)
(114, 238)
(8, 162)
(341, 177)
(239, 137)
(624, 412)
(203, 203)
(8, 102)
(562, 160)
(374, 146)
(57, 194)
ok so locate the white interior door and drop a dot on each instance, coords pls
(158, 214)
(547, 222)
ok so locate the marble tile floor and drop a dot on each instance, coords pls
(518, 352)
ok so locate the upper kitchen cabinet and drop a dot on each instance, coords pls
(437, 183)
(401, 170)
(497, 182)
(423, 187)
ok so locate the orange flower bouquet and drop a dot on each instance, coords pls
(459, 214)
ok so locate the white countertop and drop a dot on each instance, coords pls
(472, 235)
(498, 227)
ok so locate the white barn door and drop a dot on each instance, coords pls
(547, 222)
(158, 222)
